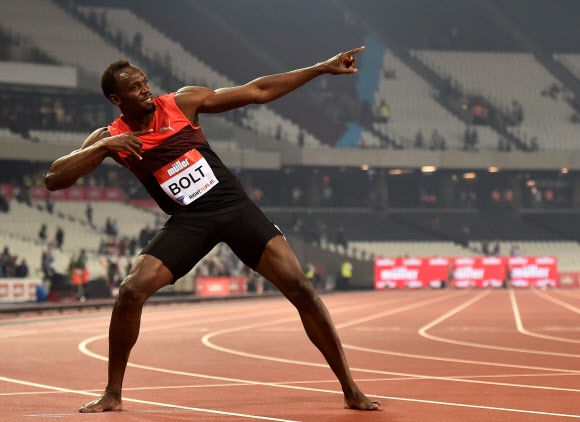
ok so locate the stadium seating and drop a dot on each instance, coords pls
(413, 108)
(499, 78)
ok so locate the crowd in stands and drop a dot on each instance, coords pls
(12, 265)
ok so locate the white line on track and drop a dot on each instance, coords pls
(520, 326)
(83, 348)
(423, 332)
(172, 406)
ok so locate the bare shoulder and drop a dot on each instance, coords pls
(190, 98)
(192, 95)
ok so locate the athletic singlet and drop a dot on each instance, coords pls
(178, 167)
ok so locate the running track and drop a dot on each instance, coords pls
(447, 355)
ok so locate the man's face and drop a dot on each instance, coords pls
(133, 95)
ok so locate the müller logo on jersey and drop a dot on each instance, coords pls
(187, 178)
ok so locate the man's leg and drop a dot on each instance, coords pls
(279, 265)
(147, 276)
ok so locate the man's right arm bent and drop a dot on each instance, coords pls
(65, 171)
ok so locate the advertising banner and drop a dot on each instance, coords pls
(18, 290)
(7, 191)
(78, 193)
(469, 272)
(569, 279)
(410, 273)
(220, 286)
(479, 271)
(536, 271)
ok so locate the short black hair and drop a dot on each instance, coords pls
(108, 79)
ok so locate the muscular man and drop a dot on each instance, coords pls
(161, 142)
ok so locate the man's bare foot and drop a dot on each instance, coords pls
(360, 402)
(107, 402)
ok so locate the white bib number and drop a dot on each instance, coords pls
(186, 179)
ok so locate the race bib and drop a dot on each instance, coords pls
(187, 178)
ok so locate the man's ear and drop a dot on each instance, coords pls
(114, 99)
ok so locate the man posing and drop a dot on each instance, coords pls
(161, 142)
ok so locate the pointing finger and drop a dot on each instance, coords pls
(355, 50)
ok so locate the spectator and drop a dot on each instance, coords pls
(145, 235)
(419, 140)
(89, 214)
(384, 112)
(81, 261)
(113, 273)
(341, 238)
(22, 269)
(80, 275)
(436, 140)
(301, 138)
(5, 259)
(132, 246)
(49, 204)
(485, 247)
(59, 237)
(47, 264)
(4, 205)
(309, 271)
(42, 234)
(344, 276)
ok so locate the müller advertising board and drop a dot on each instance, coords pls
(466, 272)
(410, 273)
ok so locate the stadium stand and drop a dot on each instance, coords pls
(496, 67)
(498, 77)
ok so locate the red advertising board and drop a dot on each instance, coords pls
(468, 272)
(569, 279)
(220, 286)
(18, 289)
(7, 191)
(78, 193)
(478, 271)
(410, 273)
(536, 271)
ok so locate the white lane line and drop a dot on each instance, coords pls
(558, 301)
(168, 405)
(520, 326)
(206, 340)
(404, 399)
(423, 332)
(83, 348)
(465, 361)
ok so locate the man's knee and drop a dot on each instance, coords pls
(301, 293)
(130, 293)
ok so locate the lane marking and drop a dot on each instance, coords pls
(520, 326)
(404, 399)
(465, 361)
(338, 392)
(423, 332)
(173, 406)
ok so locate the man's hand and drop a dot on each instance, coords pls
(343, 63)
(125, 142)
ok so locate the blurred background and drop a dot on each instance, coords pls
(459, 135)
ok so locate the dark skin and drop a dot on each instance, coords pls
(278, 263)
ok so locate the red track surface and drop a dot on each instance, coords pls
(447, 355)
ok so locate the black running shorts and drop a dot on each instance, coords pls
(186, 237)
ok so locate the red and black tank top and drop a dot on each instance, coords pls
(178, 168)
